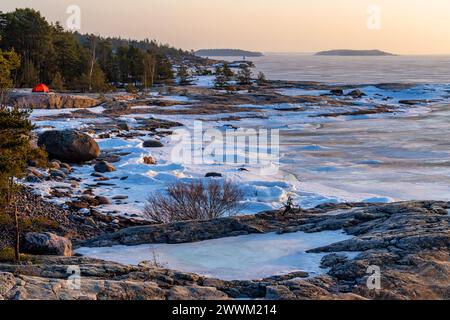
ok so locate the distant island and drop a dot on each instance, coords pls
(354, 53)
(227, 53)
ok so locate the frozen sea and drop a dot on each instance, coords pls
(233, 258)
(381, 158)
(403, 155)
(350, 70)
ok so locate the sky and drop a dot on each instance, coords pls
(397, 26)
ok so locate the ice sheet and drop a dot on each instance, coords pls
(248, 257)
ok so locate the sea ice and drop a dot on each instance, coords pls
(248, 257)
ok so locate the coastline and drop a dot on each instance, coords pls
(122, 126)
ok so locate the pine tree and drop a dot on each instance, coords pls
(227, 72)
(30, 35)
(15, 145)
(98, 80)
(29, 76)
(220, 80)
(9, 61)
(164, 71)
(57, 83)
(15, 152)
(184, 76)
(47, 49)
(149, 68)
(244, 76)
(261, 81)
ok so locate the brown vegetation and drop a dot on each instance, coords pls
(196, 200)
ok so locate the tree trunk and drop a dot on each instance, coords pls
(17, 246)
(91, 71)
(152, 81)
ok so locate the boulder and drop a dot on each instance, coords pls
(122, 125)
(337, 92)
(103, 200)
(213, 175)
(69, 146)
(46, 244)
(196, 293)
(149, 160)
(332, 260)
(30, 178)
(35, 172)
(152, 144)
(54, 173)
(104, 136)
(104, 166)
(120, 197)
(65, 166)
(279, 292)
(54, 165)
(356, 94)
(413, 102)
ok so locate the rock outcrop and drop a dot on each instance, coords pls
(152, 144)
(52, 101)
(409, 242)
(69, 146)
(46, 244)
(77, 278)
(104, 166)
(149, 160)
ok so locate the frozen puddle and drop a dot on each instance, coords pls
(249, 257)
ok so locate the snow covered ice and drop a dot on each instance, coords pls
(374, 158)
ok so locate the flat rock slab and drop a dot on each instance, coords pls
(52, 101)
(408, 241)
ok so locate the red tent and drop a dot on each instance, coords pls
(41, 88)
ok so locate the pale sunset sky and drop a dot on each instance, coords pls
(406, 26)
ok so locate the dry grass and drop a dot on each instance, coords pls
(198, 200)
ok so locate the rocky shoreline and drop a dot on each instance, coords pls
(409, 241)
(52, 101)
(200, 103)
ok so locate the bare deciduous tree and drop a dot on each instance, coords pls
(93, 44)
(198, 200)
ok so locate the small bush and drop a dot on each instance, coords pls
(7, 255)
(198, 200)
(262, 81)
(101, 97)
(37, 224)
(6, 220)
(29, 224)
(131, 89)
(39, 158)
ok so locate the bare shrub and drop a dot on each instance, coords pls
(154, 262)
(198, 200)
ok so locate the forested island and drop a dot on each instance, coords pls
(227, 53)
(354, 53)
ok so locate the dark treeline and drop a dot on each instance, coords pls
(68, 60)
